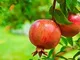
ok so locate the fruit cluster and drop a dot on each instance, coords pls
(45, 33)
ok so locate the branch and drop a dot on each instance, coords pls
(54, 4)
(53, 7)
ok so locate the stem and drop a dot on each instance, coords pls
(53, 7)
(54, 4)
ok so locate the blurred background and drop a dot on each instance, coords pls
(16, 17)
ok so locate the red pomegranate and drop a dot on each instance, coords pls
(72, 29)
(44, 34)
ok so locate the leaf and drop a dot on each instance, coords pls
(60, 43)
(50, 53)
(78, 53)
(70, 58)
(75, 10)
(78, 6)
(70, 41)
(62, 49)
(74, 2)
(78, 58)
(71, 5)
(78, 42)
(64, 40)
(64, 8)
(68, 3)
(46, 58)
(62, 57)
(60, 17)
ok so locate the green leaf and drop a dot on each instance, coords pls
(78, 53)
(78, 58)
(71, 5)
(63, 8)
(70, 41)
(61, 43)
(78, 6)
(50, 53)
(68, 3)
(74, 2)
(63, 49)
(60, 17)
(60, 1)
(64, 40)
(62, 57)
(75, 10)
(78, 42)
(70, 58)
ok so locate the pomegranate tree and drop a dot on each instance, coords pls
(44, 34)
(72, 29)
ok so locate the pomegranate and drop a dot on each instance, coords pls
(44, 34)
(72, 29)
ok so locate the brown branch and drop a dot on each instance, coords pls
(54, 4)
(53, 7)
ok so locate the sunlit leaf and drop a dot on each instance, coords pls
(78, 42)
(70, 41)
(64, 40)
(78, 53)
(63, 49)
(62, 57)
(50, 53)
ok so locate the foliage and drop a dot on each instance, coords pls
(15, 12)
(60, 15)
(64, 8)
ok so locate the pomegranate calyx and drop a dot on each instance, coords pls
(40, 51)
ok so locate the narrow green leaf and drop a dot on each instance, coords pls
(78, 53)
(78, 6)
(50, 53)
(61, 43)
(70, 58)
(63, 49)
(60, 17)
(63, 8)
(74, 2)
(71, 5)
(68, 3)
(64, 40)
(78, 58)
(75, 10)
(78, 2)
(70, 41)
(49, 59)
(62, 57)
(78, 42)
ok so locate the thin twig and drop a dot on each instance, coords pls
(53, 7)
(54, 4)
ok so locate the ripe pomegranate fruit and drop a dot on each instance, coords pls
(44, 34)
(72, 29)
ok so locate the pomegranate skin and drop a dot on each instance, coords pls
(72, 29)
(44, 34)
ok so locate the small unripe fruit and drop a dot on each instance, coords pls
(72, 29)
(44, 34)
